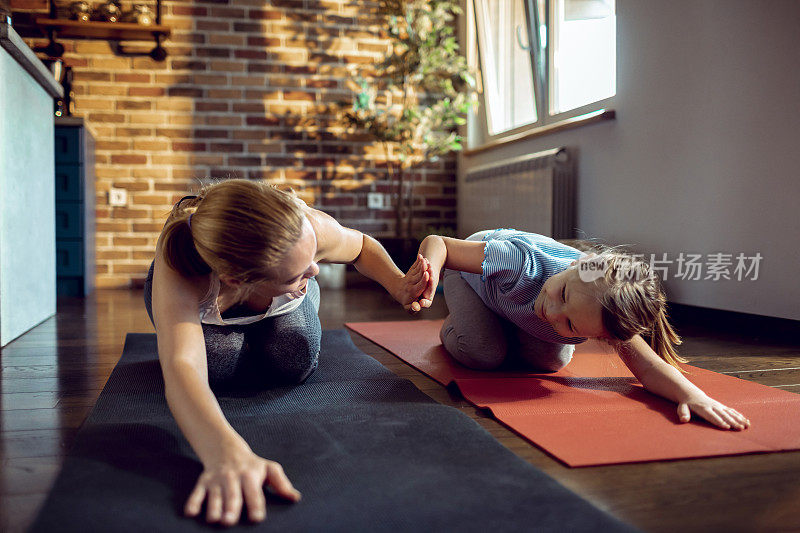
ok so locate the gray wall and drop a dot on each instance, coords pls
(27, 202)
(704, 155)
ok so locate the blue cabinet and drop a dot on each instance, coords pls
(75, 228)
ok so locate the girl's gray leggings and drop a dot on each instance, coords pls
(274, 351)
(477, 338)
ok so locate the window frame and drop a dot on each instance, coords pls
(478, 123)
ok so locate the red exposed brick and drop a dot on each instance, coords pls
(245, 161)
(112, 145)
(263, 14)
(213, 25)
(228, 66)
(75, 62)
(194, 38)
(226, 147)
(299, 95)
(174, 133)
(116, 118)
(189, 147)
(292, 4)
(322, 83)
(263, 41)
(211, 106)
(304, 148)
(133, 104)
(97, 76)
(250, 54)
(212, 52)
(248, 108)
(189, 11)
(308, 18)
(131, 185)
(263, 67)
(146, 91)
(264, 148)
(262, 121)
(133, 132)
(129, 159)
(185, 91)
(184, 64)
(212, 134)
(249, 27)
(120, 77)
(209, 79)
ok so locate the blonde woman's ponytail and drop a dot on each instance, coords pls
(177, 242)
(240, 228)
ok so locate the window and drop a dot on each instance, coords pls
(504, 43)
(542, 60)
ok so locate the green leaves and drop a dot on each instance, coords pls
(426, 83)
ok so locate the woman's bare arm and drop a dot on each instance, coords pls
(182, 354)
(338, 244)
(233, 475)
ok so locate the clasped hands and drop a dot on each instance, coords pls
(417, 287)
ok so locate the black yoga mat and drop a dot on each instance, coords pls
(367, 449)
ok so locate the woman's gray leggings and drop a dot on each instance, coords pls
(477, 338)
(279, 350)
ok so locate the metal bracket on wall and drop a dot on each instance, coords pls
(158, 53)
(114, 32)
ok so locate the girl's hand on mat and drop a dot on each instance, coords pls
(714, 412)
(238, 478)
(413, 284)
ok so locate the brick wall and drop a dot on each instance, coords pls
(244, 92)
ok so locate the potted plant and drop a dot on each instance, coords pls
(413, 101)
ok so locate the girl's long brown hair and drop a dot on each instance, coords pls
(633, 301)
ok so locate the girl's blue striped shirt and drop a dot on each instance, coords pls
(516, 264)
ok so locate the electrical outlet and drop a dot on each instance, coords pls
(117, 197)
(375, 200)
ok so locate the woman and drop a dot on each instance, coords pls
(233, 299)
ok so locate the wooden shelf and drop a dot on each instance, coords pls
(118, 31)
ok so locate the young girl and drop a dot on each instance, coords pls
(232, 296)
(527, 297)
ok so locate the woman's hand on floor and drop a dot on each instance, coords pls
(238, 478)
(712, 411)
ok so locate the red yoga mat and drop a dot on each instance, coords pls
(594, 412)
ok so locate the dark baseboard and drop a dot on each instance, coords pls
(690, 318)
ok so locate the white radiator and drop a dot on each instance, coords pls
(535, 193)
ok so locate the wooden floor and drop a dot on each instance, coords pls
(52, 375)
